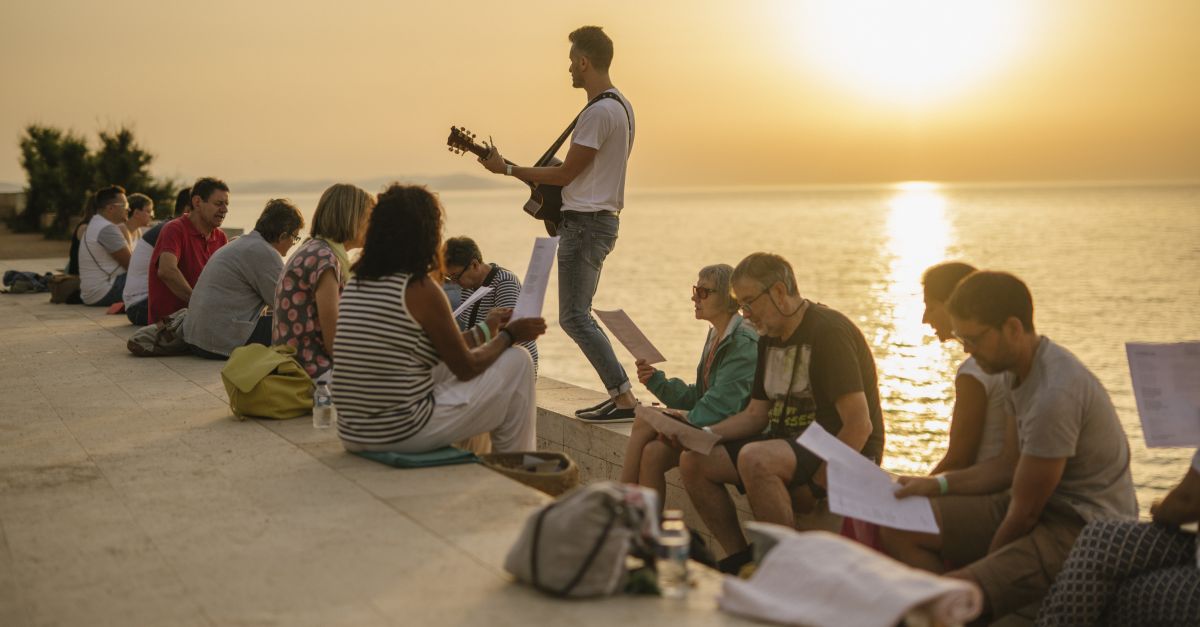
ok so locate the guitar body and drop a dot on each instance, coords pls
(545, 204)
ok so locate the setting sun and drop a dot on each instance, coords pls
(913, 52)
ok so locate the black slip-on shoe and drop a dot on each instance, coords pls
(611, 413)
(597, 407)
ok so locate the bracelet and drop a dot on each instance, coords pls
(487, 333)
(943, 485)
(511, 340)
(508, 169)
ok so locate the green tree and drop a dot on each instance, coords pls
(121, 161)
(60, 174)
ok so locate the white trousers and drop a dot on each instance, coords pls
(500, 401)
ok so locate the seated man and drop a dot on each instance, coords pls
(103, 253)
(137, 285)
(226, 308)
(184, 245)
(813, 366)
(466, 269)
(1065, 458)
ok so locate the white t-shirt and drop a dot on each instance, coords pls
(996, 387)
(137, 284)
(606, 127)
(97, 268)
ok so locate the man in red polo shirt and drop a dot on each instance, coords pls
(184, 246)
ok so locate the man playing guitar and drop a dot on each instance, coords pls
(593, 193)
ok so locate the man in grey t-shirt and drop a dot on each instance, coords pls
(1008, 523)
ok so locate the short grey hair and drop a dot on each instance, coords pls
(721, 275)
(768, 269)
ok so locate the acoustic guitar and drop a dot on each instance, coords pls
(545, 201)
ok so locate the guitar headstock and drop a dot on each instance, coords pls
(461, 140)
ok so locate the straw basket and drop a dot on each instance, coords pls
(552, 483)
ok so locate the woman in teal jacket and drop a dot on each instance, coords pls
(722, 386)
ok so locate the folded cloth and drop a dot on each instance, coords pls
(441, 457)
(818, 578)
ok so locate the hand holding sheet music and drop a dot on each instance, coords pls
(860, 489)
(629, 335)
(537, 277)
(1165, 384)
(690, 436)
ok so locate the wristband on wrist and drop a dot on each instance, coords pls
(943, 485)
(511, 339)
(508, 169)
(487, 333)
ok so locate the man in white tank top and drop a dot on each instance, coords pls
(593, 180)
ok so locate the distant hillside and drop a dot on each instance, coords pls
(436, 183)
(6, 187)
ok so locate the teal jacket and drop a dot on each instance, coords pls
(732, 375)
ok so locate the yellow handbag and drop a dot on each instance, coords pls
(267, 382)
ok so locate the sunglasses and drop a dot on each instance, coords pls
(701, 292)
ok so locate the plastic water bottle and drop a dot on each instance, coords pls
(673, 545)
(324, 413)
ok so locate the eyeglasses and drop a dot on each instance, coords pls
(296, 238)
(975, 339)
(453, 278)
(745, 305)
(701, 293)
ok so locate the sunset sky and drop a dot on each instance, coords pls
(726, 93)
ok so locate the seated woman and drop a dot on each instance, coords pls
(977, 423)
(306, 300)
(722, 387)
(226, 308)
(1131, 573)
(406, 378)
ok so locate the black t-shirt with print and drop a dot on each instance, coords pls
(827, 357)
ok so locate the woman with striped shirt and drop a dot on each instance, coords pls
(406, 379)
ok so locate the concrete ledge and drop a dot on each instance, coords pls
(600, 452)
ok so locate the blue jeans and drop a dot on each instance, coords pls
(585, 240)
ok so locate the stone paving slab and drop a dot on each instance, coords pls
(128, 496)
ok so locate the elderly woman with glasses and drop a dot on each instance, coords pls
(722, 387)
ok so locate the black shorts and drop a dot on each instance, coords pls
(734, 448)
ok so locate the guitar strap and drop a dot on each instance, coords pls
(567, 133)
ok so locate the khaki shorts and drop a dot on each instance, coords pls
(1019, 573)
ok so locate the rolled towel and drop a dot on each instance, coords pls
(818, 578)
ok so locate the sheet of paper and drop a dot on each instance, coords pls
(860, 489)
(629, 335)
(1166, 384)
(692, 437)
(537, 277)
(471, 300)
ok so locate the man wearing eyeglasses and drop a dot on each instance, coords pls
(1008, 523)
(814, 365)
(104, 253)
(466, 269)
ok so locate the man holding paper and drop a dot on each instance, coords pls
(465, 268)
(1008, 523)
(813, 366)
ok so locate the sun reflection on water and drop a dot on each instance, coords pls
(915, 370)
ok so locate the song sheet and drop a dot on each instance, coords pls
(691, 436)
(1166, 385)
(537, 277)
(472, 299)
(629, 335)
(860, 489)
